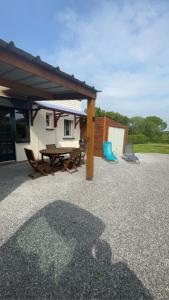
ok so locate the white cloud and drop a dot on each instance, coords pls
(121, 49)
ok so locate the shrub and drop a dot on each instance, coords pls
(163, 139)
(156, 139)
(138, 139)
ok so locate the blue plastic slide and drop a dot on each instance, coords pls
(107, 150)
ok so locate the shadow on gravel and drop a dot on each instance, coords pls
(12, 176)
(57, 254)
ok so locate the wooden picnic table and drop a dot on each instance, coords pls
(53, 154)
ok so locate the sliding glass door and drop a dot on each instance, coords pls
(7, 134)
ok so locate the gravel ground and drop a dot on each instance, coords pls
(63, 237)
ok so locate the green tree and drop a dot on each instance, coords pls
(99, 112)
(158, 122)
(151, 126)
(118, 117)
(137, 125)
(114, 115)
(154, 126)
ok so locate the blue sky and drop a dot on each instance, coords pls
(120, 47)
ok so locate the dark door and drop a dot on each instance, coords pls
(7, 137)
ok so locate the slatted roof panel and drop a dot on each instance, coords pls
(37, 82)
(5, 67)
(8, 72)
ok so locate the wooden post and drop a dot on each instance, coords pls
(90, 139)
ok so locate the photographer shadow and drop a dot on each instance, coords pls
(58, 254)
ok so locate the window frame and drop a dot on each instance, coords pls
(27, 138)
(71, 129)
(50, 126)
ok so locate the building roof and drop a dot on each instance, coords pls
(55, 107)
(23, 71)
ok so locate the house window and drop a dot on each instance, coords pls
(22, 126)
(68, 128)
(49, 120)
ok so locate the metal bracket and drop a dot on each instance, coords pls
(34, 112)
(57, 116)
(77, 120)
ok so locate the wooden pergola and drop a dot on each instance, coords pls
(33, 79)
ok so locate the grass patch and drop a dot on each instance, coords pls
(151, 148)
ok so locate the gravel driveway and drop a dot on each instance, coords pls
(63, 237)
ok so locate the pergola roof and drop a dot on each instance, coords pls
(36, 79)
(55, 107)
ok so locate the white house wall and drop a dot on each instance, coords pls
(67, 142)
(40, 136)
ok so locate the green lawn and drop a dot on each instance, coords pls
(151, 148)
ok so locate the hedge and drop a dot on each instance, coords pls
(142, 139)
(138, 139)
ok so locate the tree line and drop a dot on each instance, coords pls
(141, 129)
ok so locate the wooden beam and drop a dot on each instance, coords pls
(104, 128)
(16, 60)
(90, 139)
(34, 112)
(57, 116)
(16, 86)
(77, 120)
(25, 89)
(68, 96)
(63, 115)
